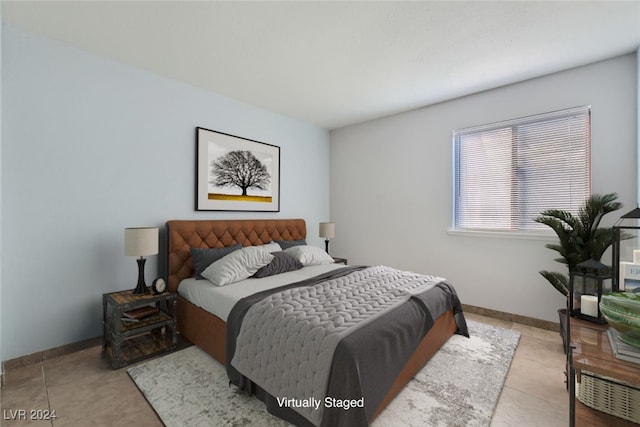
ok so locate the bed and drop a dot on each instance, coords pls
(212, 333)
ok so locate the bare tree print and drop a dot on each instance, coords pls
(239, 168)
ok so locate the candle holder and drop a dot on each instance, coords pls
(586, 284)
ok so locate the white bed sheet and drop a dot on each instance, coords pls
(219, 300)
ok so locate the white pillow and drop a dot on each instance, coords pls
(271, 247)
(238, 265)
(310, 255)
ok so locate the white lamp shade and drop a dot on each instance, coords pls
(327, 230)
(140, 241)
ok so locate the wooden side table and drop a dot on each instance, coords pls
(340, 260)
(127, 342)
(592, 353)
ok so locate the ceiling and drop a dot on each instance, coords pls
(335, 63)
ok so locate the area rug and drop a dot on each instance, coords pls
(460, 386)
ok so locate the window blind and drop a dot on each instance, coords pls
(507, 173)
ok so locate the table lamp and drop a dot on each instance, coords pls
(328, 231)
(140, 241)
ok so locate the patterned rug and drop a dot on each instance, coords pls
(460, 386)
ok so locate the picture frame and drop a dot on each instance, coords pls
(235, 173)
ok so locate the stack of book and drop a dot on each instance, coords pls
(622, 350)
(137, 314)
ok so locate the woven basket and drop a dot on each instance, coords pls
(610, 396)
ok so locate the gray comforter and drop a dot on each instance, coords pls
(316, 347)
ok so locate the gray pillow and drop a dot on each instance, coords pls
(203, 258)
(281, 263)
(286, 244)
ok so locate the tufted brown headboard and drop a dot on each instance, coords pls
(184, 234)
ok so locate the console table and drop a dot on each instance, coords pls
(591, 352)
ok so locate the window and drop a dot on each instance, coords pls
(507, 173)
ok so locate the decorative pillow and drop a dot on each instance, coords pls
(237, 265)
(203, 258)
(286, 244)
(281, 263)
(310, 255)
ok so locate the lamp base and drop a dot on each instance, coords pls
(141, 288)
(326, 245)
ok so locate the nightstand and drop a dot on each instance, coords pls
(125, 342)
(340, 260)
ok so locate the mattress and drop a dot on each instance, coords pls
(219, 300)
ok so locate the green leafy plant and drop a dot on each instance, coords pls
(580, 237)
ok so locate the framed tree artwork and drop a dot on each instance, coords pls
(236, 174)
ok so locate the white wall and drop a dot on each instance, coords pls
(89, 147)
(391, 185)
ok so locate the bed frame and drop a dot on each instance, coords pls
(208, 331)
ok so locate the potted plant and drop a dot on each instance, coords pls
(580, 238)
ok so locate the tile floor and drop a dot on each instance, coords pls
(84, 391)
